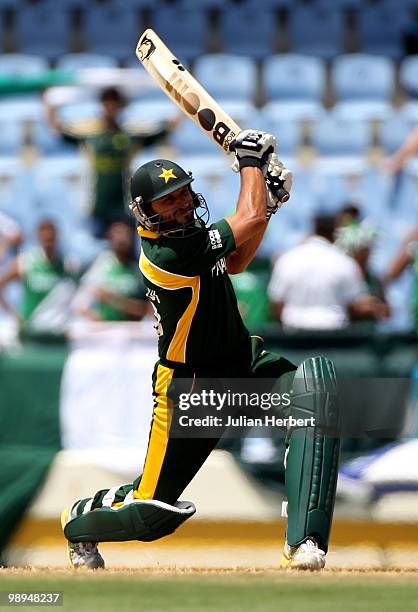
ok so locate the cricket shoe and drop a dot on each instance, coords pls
(307, 556)
(81, 554)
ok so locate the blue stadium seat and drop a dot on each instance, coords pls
(393, 132)
(340, 4)
(21, 64)
(293, 77)
(183, 30)
(363, 77)
(111, 30)
(333, 136)
(288, 133)
(294, 110)
(78, 61)
(227, 76)
(316, 31)
(380, 30)
(21, 108)
(43, 29)
(12, 137)
(47, 141)
(188, 138)
(203, 4)
(408, 75)
(270, 4)
(248, 32)
(363, 110)
(363, 85)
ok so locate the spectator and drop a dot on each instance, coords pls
(112, 290)
(110, 149)
(10, 234)
(356, 238)
(316, 286)
(41, 271)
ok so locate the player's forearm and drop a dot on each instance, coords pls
(250, 216)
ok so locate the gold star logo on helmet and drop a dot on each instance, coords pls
(167, 175)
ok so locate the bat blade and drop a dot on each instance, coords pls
(185, 91)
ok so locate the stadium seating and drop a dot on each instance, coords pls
(334, 136)
(314, 30)
(408, 75)
(293, 77)
(19, 64)
(288, 133)
(111, 30)
(380, 29)
(294, 110)
(78, 61)
(43, 29)
(227, 76)
(188, 38)
(12, 137)
(363, 77)
(246, 32)
(363, 85)
(393, 132)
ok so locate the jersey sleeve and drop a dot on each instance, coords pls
(207, 248)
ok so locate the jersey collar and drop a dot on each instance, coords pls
(147, 233)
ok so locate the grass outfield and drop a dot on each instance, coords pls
(204, 591)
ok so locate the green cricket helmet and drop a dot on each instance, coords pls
(154, 180)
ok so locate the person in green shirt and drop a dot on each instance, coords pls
(111, 289)
(186, 266)
(40, 270)
(110, 149)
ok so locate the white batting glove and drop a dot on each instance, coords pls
(278, 182)
(252, 148)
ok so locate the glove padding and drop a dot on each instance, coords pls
(278, 182)
(252, 148)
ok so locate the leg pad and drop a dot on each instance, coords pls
(143, 520)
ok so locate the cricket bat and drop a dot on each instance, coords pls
(189, 95)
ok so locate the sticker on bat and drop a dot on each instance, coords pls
(145, 48)
(191, 103)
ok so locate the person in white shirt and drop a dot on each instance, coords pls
(315, 286)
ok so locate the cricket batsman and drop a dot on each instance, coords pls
(186, 267)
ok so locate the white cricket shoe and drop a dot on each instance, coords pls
(81, 554)
(307, 556)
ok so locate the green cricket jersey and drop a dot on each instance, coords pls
(39, 277)
(117, 277)
(198, 321)
(110, 152)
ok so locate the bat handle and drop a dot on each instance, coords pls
(282, 195)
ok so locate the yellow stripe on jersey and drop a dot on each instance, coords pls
(147, 233)
(158, 438)
(168, 280)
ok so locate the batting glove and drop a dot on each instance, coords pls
(279, 184)
(252, 148)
